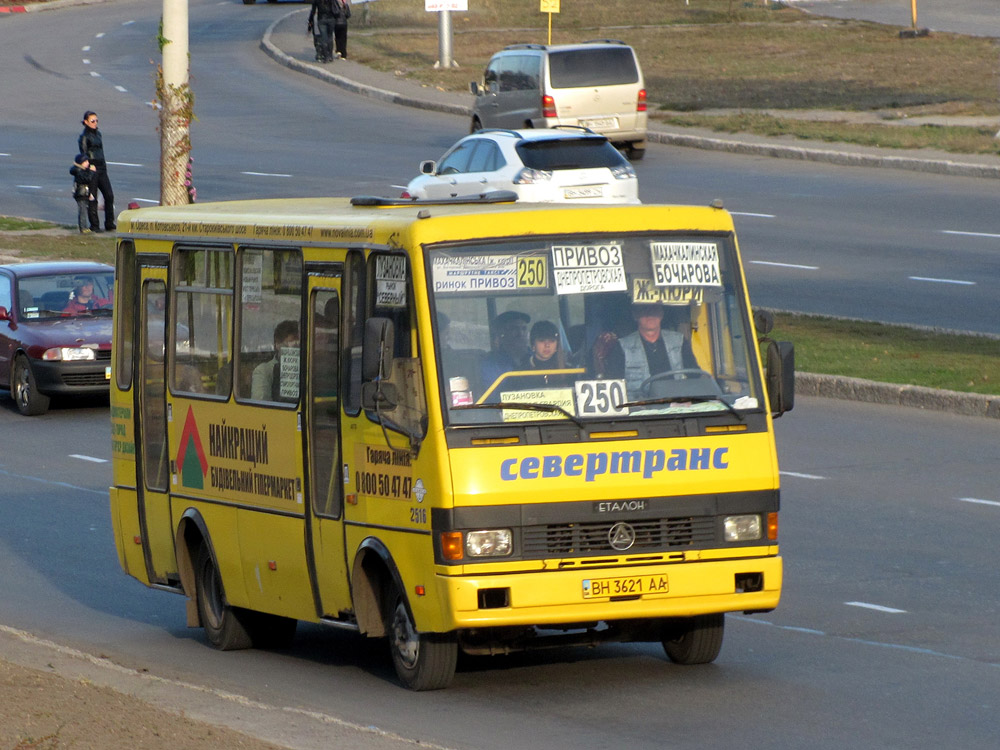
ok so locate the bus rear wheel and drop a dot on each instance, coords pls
(222, 623)
(693, 640)
(423, 661)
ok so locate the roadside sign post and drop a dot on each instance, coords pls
(550, 7)
(444, 8)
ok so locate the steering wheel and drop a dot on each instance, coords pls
(680, 375)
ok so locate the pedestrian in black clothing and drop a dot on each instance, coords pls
(84, 191)
(340, 26)
(92, 145)
(322, 21)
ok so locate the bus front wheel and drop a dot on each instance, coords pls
(694, 640)
(423, 661)
(221, 622)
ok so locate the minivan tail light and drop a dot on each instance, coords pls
(549, 106)
(640, 105)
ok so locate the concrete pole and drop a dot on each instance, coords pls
(176, 101)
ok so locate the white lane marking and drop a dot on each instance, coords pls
(147, 200)
(122, 89)
(85, 48)
(103, 493)
(942, 281)
(978, 501)
(750, 213)
(784, 265)
(92, 459)
(971, 234)
(123, 164)
(800, 475)
(85, 61)
(4, 154)
(30, 187)
(99, 36)
(127, 23)
(862, 641)
(95, 74)
(877, 608)
(265, 174)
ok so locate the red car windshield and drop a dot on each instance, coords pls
(65, 295)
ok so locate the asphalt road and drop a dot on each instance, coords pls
(880, 244)
(976, 17)
(886, 635)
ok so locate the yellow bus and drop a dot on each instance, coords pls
(465, 424)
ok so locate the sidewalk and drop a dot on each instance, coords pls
(287, 43)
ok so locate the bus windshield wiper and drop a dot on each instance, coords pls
(682, 399)
(551, 408)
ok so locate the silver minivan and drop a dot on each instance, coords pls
(597, 85)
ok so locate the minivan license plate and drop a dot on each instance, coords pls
(596, 588)
(600, 123)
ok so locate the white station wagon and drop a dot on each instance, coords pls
(570, 165)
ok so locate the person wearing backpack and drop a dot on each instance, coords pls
(322, 21)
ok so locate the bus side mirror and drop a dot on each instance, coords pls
(4, 315)
(763, 321)
(376, 365)
(780, 376)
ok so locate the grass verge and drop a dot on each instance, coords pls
(724, 54)
(891, 353)
(828, 346)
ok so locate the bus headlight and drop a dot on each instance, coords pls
(69, 354)
(742, 528)
(491, 543)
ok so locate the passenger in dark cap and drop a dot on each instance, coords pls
(509, 346)
(546, 354)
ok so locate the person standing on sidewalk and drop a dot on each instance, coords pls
(322, 22)
(92, 145)
(343, 12)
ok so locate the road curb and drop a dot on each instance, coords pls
(890, 394)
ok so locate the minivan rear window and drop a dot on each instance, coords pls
(599, 66)
(581, 153)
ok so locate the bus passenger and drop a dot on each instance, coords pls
(546, 354)
(509, 346)
(266, 382)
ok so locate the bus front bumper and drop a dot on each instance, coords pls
(561, 597)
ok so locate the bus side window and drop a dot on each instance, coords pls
(390, 296)
(269, 336)
(202, 317)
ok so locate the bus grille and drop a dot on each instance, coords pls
(569, 539)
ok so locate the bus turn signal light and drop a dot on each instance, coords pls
(451, 545)
(772, 526)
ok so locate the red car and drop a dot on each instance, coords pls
(55, 331)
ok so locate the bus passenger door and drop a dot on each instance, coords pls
(151, 426)
(323, 448)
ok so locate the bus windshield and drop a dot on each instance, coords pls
(591, 327)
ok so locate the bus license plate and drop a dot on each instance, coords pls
(595, 588)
